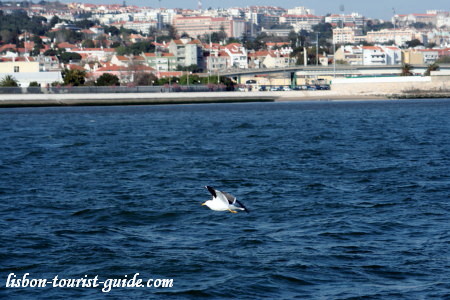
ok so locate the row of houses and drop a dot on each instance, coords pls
(387, 55)
(213, 58)
(398, 36)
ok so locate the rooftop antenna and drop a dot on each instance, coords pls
(394, 19)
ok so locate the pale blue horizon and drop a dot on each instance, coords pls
(382, 9)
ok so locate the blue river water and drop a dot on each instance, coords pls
(347, 200)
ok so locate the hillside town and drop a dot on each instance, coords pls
(51, 43)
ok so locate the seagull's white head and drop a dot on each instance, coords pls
(207, 203)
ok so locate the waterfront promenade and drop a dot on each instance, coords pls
(341, 89)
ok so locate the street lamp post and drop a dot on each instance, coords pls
(334, 59)
(317, 49)
(188, 78)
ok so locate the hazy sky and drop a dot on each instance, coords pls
(373, 9)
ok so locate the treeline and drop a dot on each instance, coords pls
(12, 25)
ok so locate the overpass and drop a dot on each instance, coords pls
(332, 70)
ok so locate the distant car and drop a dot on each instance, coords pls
(262, 88)
(286, 88)
(241, 89)
(274, 88)
(311, 88)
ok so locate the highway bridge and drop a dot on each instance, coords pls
(331, 70)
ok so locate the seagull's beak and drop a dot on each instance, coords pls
(204, 203)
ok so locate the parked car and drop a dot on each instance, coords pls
(311, 88)
(274, 88)
(262, 88)
(286, 88)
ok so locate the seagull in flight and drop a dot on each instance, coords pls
(223, 201)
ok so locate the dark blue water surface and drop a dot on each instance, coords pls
(347, 199)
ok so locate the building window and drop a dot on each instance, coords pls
(16, 69)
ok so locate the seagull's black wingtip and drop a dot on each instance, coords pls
(211, 190)
(243, 206)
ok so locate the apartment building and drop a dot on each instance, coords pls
(278, 59)
(187, 52)
(398, 36)
(204, 25)
(219, 61)
(345, 20)
(139, 26)
(369, 55)
(408, 19)
(420, 56)
(300, 22)
(346, 35)
(161, 62)
(352, 55)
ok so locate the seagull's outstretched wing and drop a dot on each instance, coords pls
(212, 191)
(242, 205)
(230, 198)
(218, 195)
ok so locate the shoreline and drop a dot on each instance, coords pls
(43, 100)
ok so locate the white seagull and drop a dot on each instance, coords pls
(223, 201)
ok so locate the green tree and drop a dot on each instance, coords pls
(7, 36)
(107, 79)
(51, 52)
(113, 30)
(432, 67)
(53, 21)
(88, 44)
(413, 43)
(67, 57)
(146, 79)
(9, 81)
(74, 77)
(406, 70)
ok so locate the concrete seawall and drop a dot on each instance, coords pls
(18, 100)
(342, 89)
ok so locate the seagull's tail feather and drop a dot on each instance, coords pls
(243, 206)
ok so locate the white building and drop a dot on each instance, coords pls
(369, 55)
(300, 22)
(344, 20)
(378, 55)
(238, 55)
(300, 10)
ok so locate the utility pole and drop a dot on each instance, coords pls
(317, 49)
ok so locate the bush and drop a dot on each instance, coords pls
(108, 79)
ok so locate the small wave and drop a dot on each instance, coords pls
(291, 279)
(244, 125)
